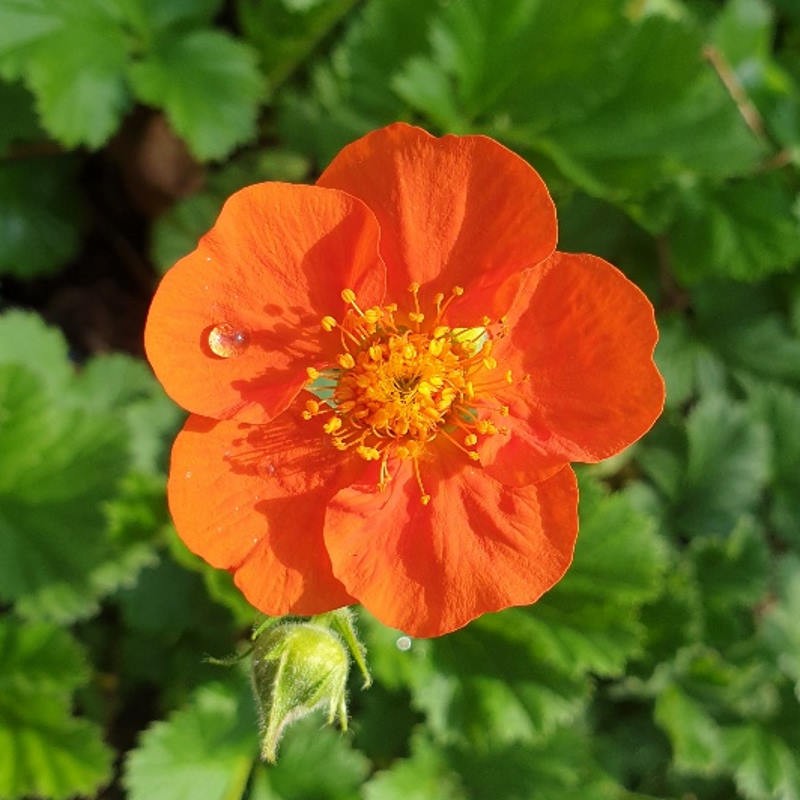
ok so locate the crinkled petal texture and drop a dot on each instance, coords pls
(274, 263)
(583, 337)
(251, 499)
(478, 546)
(456, 210)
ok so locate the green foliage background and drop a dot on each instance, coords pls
(667, 663)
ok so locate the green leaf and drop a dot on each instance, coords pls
(209, 86)
(677, 122)
(314, 763)
(351, 93)
(284, 33)
(732, 574)
(19, 117)
(44, 750)
(534, 63)
(151, 17)
(58, 466)
(727, 467)
(764, 765)
(680, 355)
(26, 340)
(42, 205)
(744, 230)
(125, 386)
(781, 623)
(749, 327)
(696, 738)
(73, 57)
(619, 559)
(424, 775)
(206, 749)
(779, 408)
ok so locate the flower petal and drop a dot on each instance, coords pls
(459, 210)
(583, 336)
(478, 546)
(251, 498)
(274, 263)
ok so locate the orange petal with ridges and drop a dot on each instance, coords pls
(274, 263)
(251, 499)
(581, 347)
(478, 546)
(456, 210)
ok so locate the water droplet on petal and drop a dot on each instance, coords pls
(188, 474)
(403, 643)
(226, 341)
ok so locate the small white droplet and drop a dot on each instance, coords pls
(188, 474)
(403, 643)
(226, 341)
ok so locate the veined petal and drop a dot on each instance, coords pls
(274, 263)
(454, 211)
(478, 546)
(251, 499)
(581, 345)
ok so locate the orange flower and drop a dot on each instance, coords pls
(388, 374)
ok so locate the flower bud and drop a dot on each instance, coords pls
(298, 667)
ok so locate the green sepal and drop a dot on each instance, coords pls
(298, 667)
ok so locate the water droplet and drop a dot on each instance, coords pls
(226, 341)
(403, 643)
(188, 474)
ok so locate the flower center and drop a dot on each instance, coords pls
(402, 380)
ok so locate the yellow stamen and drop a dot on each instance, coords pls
(401, 383)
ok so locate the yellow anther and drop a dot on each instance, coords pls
(312, 406)
(306, 415)
(348, 295)
(490, 362)
(332, 425)
(486, 427)
(504, 411)
(486, 322)
(474, 456)
(425, 499)
(509, 377)
(409, 351)
(312, 373)
(368, 453)
(401, 451)
(375, 352)
(373, 315)
(470, 440)
(435, 347)
(438, 297)
(458, 290)
(416, 316)
(440, 331)
(328, 323)
(469, 390)
(413, 287)
(346, 361)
